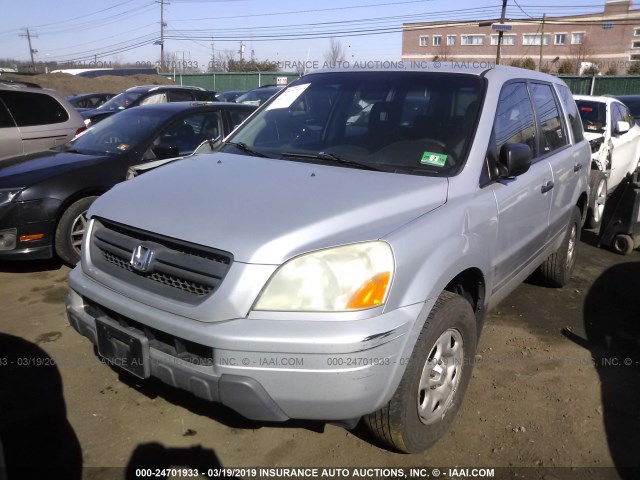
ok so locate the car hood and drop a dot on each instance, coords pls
(265, 211)
(26, 170)
(592, 136)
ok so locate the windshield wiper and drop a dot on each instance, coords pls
(246, 149)
(333, 158)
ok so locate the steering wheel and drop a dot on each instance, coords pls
(111, 138)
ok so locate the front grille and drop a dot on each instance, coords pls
(177, 269)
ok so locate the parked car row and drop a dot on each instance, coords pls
(44, 196)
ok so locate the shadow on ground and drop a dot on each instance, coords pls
(156, 458)
(612, 326)
(36, 437)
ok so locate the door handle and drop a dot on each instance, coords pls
(548, 186)
(577, 167)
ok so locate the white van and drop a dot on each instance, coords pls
(33, 119)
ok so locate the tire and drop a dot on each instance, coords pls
(410, 422)
(556, 270)
(597, 198)
(70, 231)
(622, 244)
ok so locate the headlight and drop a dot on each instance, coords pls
(6, 195)
(352, 277)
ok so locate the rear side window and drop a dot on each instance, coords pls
(552, 134)
(515, 122)
(180, 96)
(572, 111)
(202, 96)
(5, 117)
(31, 109)
(238, 117)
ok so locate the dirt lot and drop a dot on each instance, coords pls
(67, 84)
(556, 384)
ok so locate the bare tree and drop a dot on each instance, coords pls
(336, 53)
(580, 53)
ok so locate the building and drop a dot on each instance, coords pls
(610, 40)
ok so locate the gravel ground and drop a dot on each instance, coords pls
(554, 393)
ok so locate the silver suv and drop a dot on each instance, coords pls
(335, 259)
(33, 119)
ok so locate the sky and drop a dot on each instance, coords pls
(200, 31)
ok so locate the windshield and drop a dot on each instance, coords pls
(117, 134)
(120, 101)
(593, 115)
(402, 122)
(257, 97)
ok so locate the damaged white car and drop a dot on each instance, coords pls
(615, 146)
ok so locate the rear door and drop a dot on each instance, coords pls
(566, 162)
(10, 139)
(523, 202)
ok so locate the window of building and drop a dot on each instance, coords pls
(577, 38)
(506, 39)
(636, 31)
(534, 39)
(635, 44)
(634, 57)
(560, 39)
(437, 40)
(451, 39)
(471, 39)
(424, 41)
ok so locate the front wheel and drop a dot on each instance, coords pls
(556, 270)
(597, 198)
(70, 230)
(433, 385)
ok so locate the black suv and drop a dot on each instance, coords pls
(145, 95)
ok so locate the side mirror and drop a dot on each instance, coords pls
(166, 151)
(515, 159)
(622, 127)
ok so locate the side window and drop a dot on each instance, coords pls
(30, 109)
(156, 98)
(180, 97)
(5, 117)
(189, 132)
(238, 117)
(627, 115)
(514, 119)
(617, 115)
(552, 134)
(572, 112)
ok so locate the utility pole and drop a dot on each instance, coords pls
(544, 18)
(500, 33)
(213, 56)
(31, 49)
(162, 25)
(241, 51)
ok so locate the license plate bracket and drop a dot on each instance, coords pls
(124, 347)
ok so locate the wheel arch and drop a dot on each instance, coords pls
(70, 200)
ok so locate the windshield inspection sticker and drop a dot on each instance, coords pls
(123, 147)
(435, 159)
(287, 98)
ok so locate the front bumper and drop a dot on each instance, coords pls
(34, 220)
(325, 377)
